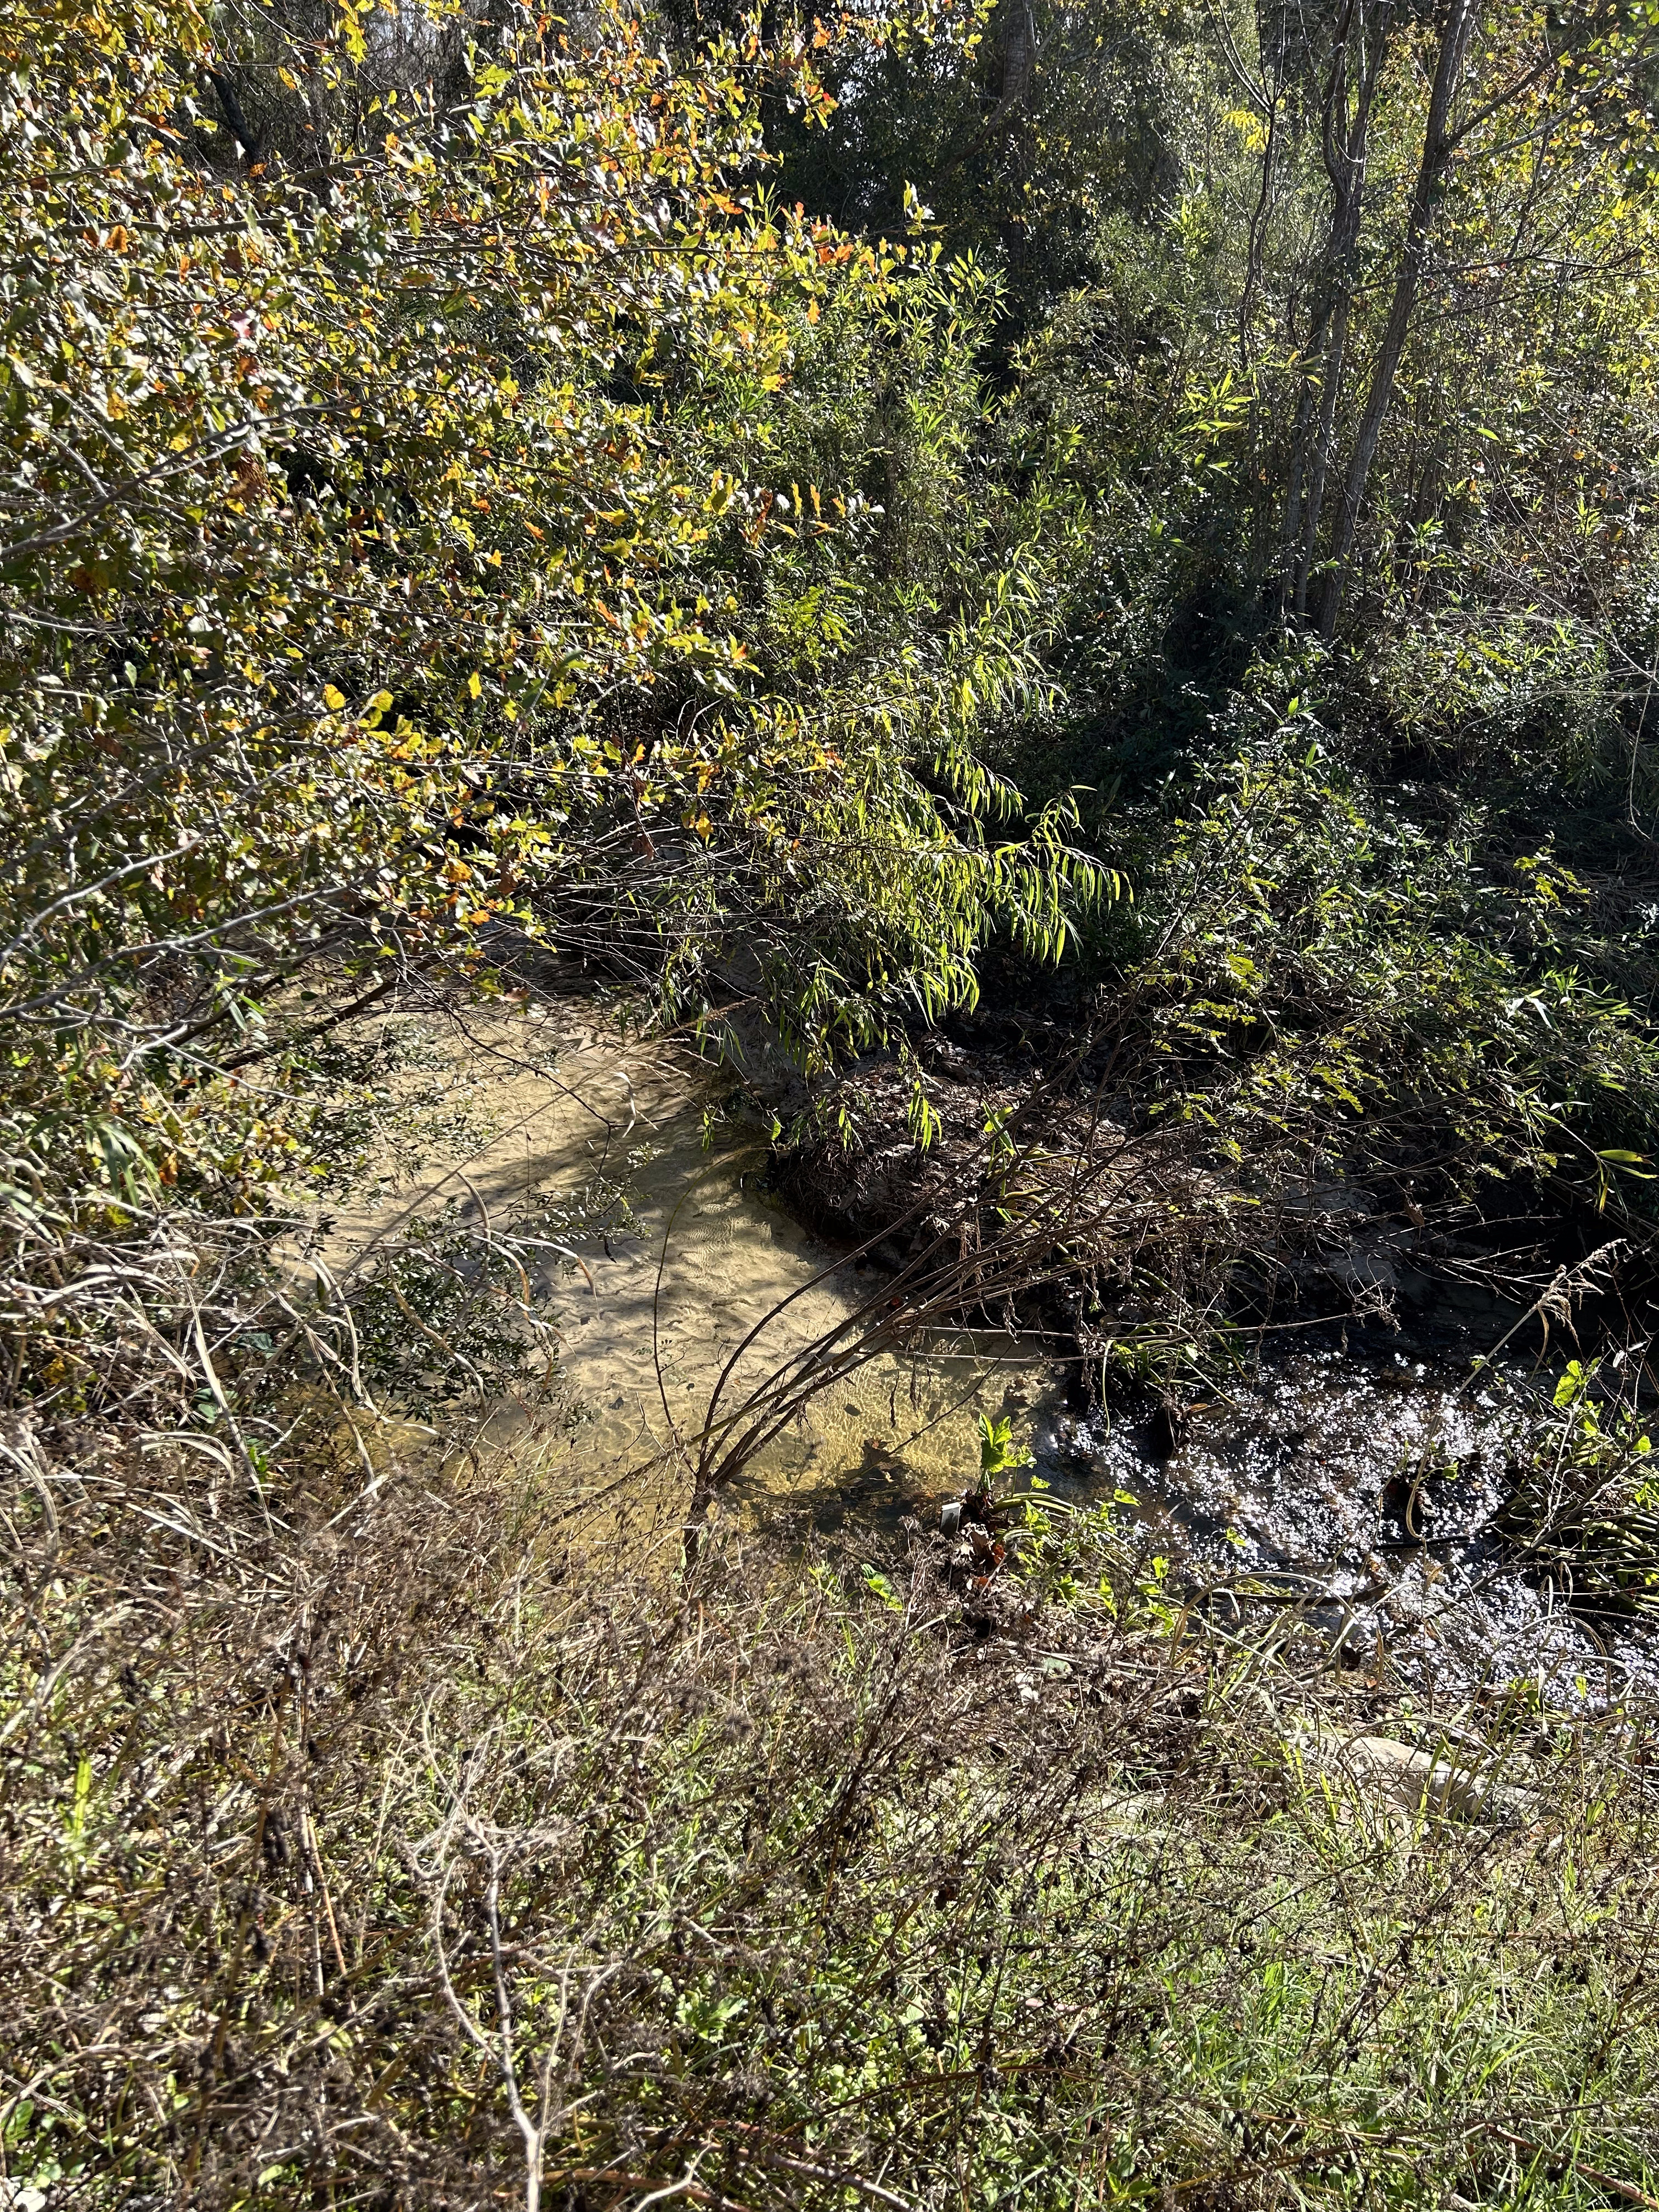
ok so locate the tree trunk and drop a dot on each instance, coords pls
(1018, 55)
(1439, 143)
(1346, 141)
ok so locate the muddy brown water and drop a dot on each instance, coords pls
(681, 1264)
(1286, 1484)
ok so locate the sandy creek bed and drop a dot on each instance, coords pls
(1289, 1477)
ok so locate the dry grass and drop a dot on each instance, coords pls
(357, 1850)
(363, 1842)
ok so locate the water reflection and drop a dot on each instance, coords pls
(1359, 1486)
(1350, 1485)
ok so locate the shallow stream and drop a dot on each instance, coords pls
(1349, 1484)
(681, 1262)
(1356, 1484)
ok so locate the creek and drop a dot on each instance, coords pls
(1349, 1482)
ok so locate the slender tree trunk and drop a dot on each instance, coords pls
(1346, 141)
(1439, 143)
(1019, 54)
(1324, 437)
(1258, 229)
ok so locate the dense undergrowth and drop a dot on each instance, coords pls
(456, 503)
(363, 1845)
(1135, 522)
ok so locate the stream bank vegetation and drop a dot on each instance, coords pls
(364, 1845)
(1070, 591)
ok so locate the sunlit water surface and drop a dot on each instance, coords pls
(1350, 1487)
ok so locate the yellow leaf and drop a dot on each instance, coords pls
(334, 700)
(474, 684)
